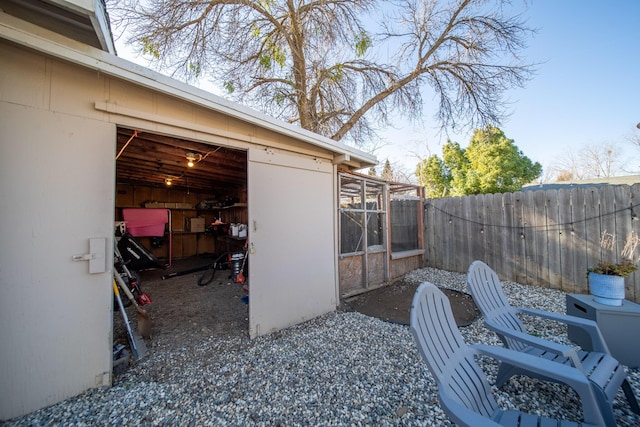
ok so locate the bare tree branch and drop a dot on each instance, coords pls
(591, 161)
(317, 64)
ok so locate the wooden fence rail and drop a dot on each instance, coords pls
(545, 238)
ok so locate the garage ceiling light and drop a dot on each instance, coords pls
(192, 158)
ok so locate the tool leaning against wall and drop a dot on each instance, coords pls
(128, 282)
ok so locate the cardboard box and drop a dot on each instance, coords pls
(183, 206)
(168, 205)
(154, 205)
(194, 225)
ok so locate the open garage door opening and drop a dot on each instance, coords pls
(185, 203)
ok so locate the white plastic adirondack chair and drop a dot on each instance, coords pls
(463, 389)
(605, 373)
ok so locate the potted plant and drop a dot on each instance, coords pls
(606, 281)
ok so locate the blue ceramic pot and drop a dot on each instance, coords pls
(606, 289)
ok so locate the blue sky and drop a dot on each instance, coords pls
(586, 90)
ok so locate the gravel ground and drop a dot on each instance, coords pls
(341, 369)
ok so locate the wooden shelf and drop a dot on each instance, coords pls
(221, 208)
(187, 232)
(144, 207)
(234, 238)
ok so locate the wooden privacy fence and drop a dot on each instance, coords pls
(545, 238)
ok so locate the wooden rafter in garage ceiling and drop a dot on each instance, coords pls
(151, 158)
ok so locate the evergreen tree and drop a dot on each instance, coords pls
(491, 164)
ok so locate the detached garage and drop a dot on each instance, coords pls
(68, 108)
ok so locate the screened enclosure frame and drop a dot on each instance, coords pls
(369, 237)
(370, 215)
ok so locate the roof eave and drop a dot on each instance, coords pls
(96, 12)
(56, 45)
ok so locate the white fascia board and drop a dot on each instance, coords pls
(95, 11)
(37, 38)
(82, 6)
(100, 21)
